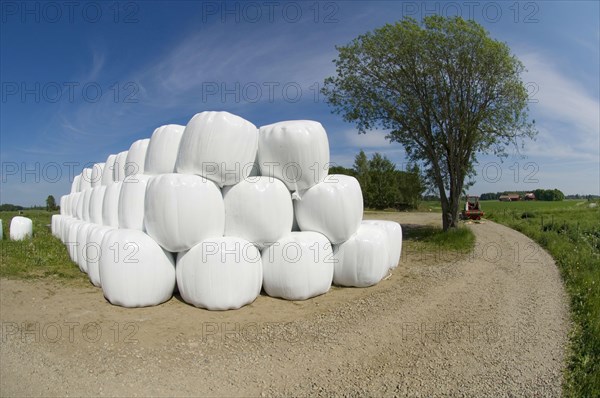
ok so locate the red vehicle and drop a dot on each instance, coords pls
(472, 210)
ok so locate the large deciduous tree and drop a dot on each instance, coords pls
(444, 89)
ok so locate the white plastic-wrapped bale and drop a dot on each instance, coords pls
(81, 240)
(54, 225)
(362, 260)
(63, 205)
(393, 232)
(87, 197)
(131, 202)
(86, 179)
(138, 272)
(163, 148)
(108, 170)
(64, 229)
(93, 252)
(1, 231)
(76, 183)
(298, 266)
(97, 172)
(110, 205)
(119, 166)
(136, 157)
(259, 210)
(80, 205)
(71, 242)
(295, 152)
(333, 207)
(182, 210)
(220, 273)
(219, 146)
(96, 201)
(20, 228)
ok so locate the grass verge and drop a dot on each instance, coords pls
(42, 256)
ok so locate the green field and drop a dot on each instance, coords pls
(42, 256)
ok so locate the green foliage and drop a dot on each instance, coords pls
(10, 207)
(444, 89)
(570, 231)
(549, 195)
(382, 185)
(41, 256)
(51, 203)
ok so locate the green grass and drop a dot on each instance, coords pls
(428, 243)
(570, 231)
(42, 256)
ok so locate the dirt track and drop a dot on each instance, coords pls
(492, 324)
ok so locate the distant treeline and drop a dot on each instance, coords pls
(548, 195)
(382, 185)
(11, 207)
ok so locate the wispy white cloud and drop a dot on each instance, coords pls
(566, 111)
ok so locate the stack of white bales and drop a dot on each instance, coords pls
(220, 209)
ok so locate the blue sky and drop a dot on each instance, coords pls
(82, 80)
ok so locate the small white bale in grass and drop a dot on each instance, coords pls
(21, 228)
(393, 232)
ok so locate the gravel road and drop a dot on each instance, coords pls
(494, 323)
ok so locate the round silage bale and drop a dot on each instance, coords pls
(393, 232)
(162, 149)
(182, 210)
(119, 166)
(108, 170)
(362, 260)
(134, 270)
(110, 205)
(136, 157)
(298, 266)
(333, 207)
(220, 273)
(131, 202)
(219, 146)
(259, 210)
(295, 152)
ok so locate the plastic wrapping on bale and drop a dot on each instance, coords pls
(110, 205)
(163, 148)
(80, 207)
(86, 179)
(259, 210)
(362, 260)
(219, 146)
(298, 266)
(136, 157)
(81, 240)
(108, 170)
(137, 272)
(220, 274)
(1, 231)
(73, 202)
(97, 172)
(76, 183)
(71, 242)
(393, 232)
(87, 197)
(54, 225)
(182, 210)
(62, 203)
(131, 202)
(96, 201)
(333, 207)
(295, 152)
(65, 224)
(93, 252)
(119, 166)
